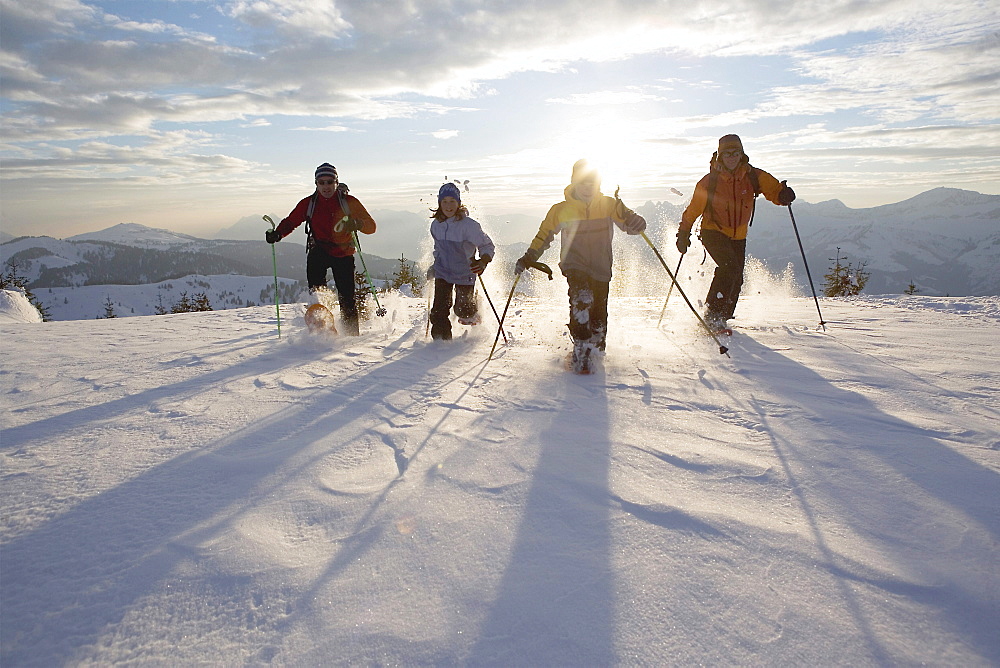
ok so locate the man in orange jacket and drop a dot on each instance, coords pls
(332, 216)
(725, 199)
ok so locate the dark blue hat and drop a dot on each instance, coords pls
(449, 190)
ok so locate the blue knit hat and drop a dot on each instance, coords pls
(449, 190)
(326, 169)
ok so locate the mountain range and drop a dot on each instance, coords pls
(944, 242)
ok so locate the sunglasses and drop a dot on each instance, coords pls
(735, 153)
(326, 183)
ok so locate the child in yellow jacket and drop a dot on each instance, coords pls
(585, 219)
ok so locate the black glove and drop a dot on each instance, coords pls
(525, 261)
(683, 240)
(634, 224)
(478, 266)
(786, 196)
(272, 236)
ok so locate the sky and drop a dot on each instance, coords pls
(191, 115)
(192, 490)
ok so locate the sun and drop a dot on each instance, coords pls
(609, 141)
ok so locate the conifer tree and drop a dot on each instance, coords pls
(361, 292)
(11, 279)
(109, 308)
(843, 280)
(406, 275)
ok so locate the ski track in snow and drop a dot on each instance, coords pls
(191, 489)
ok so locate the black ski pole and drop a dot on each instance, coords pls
(497, 315)
(676, 272)
(822, 323)
(723, 350)
(534, 265)
(500, 329)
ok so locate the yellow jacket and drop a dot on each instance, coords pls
(732, 202)
(586, 229)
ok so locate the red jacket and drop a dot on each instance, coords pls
(326, 215)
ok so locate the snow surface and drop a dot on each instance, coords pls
(15, 307)
(190, 489)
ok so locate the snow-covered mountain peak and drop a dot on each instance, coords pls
(134, 234)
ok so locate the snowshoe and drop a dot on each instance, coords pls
(580, 360)
(470, 320)
(320, 319)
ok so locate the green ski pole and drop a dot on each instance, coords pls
(274, 261)
(379, 310)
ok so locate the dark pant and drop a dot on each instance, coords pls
(317, 263)
(588, 308)
(465, 306)
(730, 257)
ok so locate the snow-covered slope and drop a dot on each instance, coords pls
(133, 234)
(15, 307)
(190, 489)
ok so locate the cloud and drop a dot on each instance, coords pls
(597, 98)
(302, 18)
(78, 76)
(328, 128)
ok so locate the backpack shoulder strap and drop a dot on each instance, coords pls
(344, 206)
(754, 180)
(309, 213)
(310, 241)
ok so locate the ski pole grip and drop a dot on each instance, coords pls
(542, 267)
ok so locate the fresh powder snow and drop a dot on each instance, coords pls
(191, 489)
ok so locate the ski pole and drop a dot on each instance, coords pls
(427, 328)
(822, 323)
(274, 261)
(507, 306)
(544, 268)
(497, 315)
(723, 350)
(676, 272)
(379, 310)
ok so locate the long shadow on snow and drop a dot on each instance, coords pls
(46, 428)
(72, 580)
(555, 602)
(870, 500)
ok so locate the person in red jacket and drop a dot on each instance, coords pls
(331, 217)
(725, 199)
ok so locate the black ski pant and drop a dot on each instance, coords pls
(588, 308)
(318, 262)
(465, 306)
(730, 257)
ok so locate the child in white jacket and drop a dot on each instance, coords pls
(457, 238)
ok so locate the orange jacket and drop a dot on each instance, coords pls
(732, 202)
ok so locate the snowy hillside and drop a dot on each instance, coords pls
(192, 490)
(946, 241)
(132, 234)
